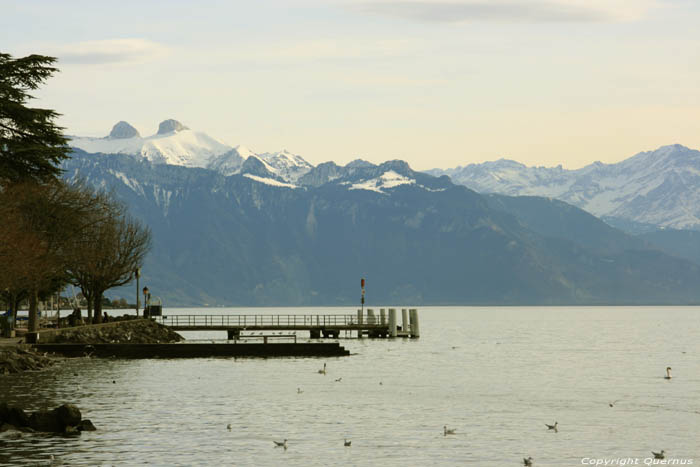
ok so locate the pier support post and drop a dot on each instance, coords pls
(314, 333)
(382, 316)
(415, 327)
(392, 322)
(370, 316)
(233, 333)
(404, 320)
(359, 322)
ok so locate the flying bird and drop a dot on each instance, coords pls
(281, 444)
(552, 427)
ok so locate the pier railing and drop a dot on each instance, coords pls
(261, 320)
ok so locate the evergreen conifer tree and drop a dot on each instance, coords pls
(31, 144)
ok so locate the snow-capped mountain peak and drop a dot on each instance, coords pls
(176, 144)
(173, 144)
(660, 187)
(286, 165)
(123, 130)
(170, 126)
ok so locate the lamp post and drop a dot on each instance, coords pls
(137, 273)
(146, 300)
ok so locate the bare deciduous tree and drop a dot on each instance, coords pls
(110, 252)
(40, 233)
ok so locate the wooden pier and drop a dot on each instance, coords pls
(368, 324)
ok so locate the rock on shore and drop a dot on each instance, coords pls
(18, 359)
(65, 418)
(136, 331)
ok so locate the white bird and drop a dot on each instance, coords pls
(347, 443)
(659, 455)
(552, 427)
(528, 461)
(322, 372)
(668, 373)
(281, 444)
(448, 431)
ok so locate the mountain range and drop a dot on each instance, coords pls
(652, 189)
(232, 227)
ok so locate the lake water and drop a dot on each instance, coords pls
(496, 375)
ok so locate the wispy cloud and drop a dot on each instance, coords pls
(321, 50)
(109, 51)
(328, 49)
(455, 11)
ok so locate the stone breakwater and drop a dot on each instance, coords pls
(65, 419)
(17, 359)
(135, 331)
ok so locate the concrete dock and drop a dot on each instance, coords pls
(198, 350)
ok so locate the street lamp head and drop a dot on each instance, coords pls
(145, 290)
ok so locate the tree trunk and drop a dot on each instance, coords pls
(98, 307)
(89, 301)
(15, 306)
(33, 324)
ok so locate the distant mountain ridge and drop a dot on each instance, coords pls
(652, 189)
(253, 238)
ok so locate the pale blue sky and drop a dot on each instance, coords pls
(436, 83)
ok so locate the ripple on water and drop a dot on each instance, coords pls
(513, 369)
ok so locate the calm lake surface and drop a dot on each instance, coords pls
(496, 375)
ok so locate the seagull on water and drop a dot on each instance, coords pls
(448, 431)
(552, 427)
(228, 427)
(527, 461)
(322, 372)
(347, 443)
(668, 373)
(299, 391)
(659, 455)
(612, 404)
(281, 444)
(339, 380)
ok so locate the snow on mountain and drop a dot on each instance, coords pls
(230, 162)
(270, 181)
(174, 144)
(388, 179)
(287, 165)
(660, 187)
